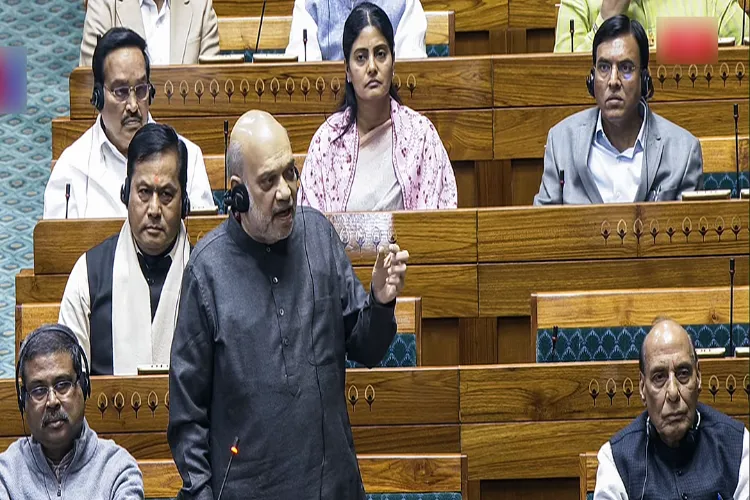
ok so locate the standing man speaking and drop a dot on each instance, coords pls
(270, 310)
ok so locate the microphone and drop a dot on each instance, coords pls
(555, 330)
(572, 29)
(226, 165)
(736, 151)
(730, 351)
(235, 450)
(744, 16)
(67, 198)
(304, 41)
(561, 177)
(260, 25)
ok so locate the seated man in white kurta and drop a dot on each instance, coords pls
(86, 180)
(122, 296)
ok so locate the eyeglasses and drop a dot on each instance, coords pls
(61, 389)
(122, 93)
(625, 68)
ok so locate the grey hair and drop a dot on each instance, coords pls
(235, 160)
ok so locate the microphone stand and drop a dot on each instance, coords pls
(736, 150)
(730, 351)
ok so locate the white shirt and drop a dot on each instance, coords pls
(75, 306)
(96, 170)
(409, 39)
(617, 175)
(609, 485)
(157, 27)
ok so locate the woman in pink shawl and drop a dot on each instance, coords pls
(375, 153)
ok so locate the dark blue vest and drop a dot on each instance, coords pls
(706, 464)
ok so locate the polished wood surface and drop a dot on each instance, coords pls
(291, 88)
(592, 309)
(521, 132)
(380, 474)
(719, 154)
(505, 289)
(31, 316)
(613, 231)
(240, 33)
(551, 392)
(466, 134)
(589, 463)
(558, 79)
(59, 243)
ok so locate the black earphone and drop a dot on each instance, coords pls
(182, 159)
(647, 84)
(82, 369)
(97, 95)
(238, 198)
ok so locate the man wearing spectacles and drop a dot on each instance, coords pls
(619, 151)
(63, 458)
(86, 180)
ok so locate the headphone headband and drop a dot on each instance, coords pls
(83, 374)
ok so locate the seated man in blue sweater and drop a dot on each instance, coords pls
(678, 448)
(63, 458)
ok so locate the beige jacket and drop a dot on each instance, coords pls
(193, 23)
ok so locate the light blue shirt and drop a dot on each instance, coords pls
(616, 174)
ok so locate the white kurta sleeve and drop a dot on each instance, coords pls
(743, 485)
(411, 31)
(75, 307)
(199, 189)
(302, 20)
(609, 485)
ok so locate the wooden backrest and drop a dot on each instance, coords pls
(240, 33)
(605, 308)
(29, 317)
(589, 465)
(439, 473)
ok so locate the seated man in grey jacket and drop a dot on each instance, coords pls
(63, 458)
(620, 151)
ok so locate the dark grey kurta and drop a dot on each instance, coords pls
(247, 355)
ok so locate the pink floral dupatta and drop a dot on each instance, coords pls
(421, 163)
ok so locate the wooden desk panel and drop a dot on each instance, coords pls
(542, 392)
(466, 134)
(554, 233)
(558, 79)
(505, 289)
(587, 309)
(432, 237)
(522, 132)
(293, 88)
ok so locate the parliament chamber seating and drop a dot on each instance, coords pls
(402, 477)
(403, 351)
(611, 324)
(240, 34)
(492, 112)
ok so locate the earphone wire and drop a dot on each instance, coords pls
(645, 458)
(33, 455)
(312, 339)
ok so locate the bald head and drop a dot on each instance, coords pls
(667, 334)
(256, 138)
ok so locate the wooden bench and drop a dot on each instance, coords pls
(584, 315)
(440, 473)
(589, 465)
(29, 317)
(240, 33)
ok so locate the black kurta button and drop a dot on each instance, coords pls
(679, 472)
(275, 280)
(286, 341)
(281, 311)
(684, 496)
(268, 249)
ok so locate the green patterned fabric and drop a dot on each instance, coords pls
(50, 31)
(725, 181)
(401, 353)
(616, 343)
